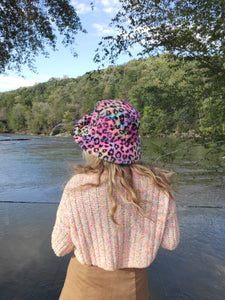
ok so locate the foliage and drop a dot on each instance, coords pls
(27, 26)
(174, 96)
(212, 116)
(16, 118)
(68, 123)
(195, 29)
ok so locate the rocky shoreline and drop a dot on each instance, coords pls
(56, 132)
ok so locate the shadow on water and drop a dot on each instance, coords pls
(34, 171)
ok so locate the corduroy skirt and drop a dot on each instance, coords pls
(85, 282)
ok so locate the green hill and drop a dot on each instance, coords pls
(174, 97)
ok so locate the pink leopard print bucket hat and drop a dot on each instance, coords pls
(111, 132)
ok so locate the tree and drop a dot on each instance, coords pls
(37, 118)
(27, 26)
(16, 118)
(191, 28)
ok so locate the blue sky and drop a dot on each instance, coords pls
(62, 63)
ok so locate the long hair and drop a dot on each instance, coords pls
(120, 178)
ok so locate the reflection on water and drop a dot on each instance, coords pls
(35, 170)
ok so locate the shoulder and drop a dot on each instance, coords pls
(146, 185)
(144, 181)
(79, 180)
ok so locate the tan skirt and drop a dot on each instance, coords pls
(85, 282)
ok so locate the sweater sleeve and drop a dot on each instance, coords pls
(61, 237)
(171, 234)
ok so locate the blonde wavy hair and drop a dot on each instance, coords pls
(161, 178)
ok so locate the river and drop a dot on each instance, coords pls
(33, 171)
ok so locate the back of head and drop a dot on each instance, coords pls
(111, 143)
(111, 132)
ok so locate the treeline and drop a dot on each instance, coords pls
(174, 97)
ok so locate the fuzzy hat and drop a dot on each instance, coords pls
(111, 132)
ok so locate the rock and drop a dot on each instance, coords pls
(56, 129)
(66, 134)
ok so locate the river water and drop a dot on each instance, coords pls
(33, 171)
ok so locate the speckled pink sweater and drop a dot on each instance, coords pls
(83, 225)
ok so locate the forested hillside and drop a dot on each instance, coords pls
(174, 96)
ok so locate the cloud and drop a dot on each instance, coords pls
(80, 7)
(107, 3)
(103, 29)
(110, 6)
(107, 6)
(109, 10)
(9, 83)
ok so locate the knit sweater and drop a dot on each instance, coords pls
(83, 224)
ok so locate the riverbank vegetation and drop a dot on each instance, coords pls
(175, 96)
